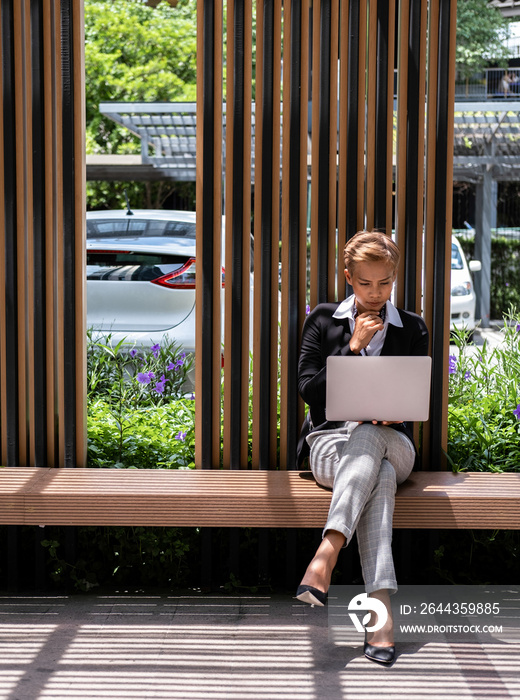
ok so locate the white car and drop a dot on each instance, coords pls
(141, 276)
(462, 292)
(150, 253)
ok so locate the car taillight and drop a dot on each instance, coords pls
(182, 278)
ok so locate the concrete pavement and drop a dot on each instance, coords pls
(126, 646)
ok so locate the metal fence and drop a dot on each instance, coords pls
(490, 84)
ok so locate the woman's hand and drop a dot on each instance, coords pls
(367, 324)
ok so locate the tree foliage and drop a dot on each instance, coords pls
(481, 35)
(134, 53)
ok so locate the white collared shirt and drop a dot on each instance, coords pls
(347, 309)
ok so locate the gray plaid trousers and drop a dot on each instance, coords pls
(363, 469)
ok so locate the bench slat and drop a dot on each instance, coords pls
(211, 498)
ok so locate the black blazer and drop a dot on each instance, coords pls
(324, 335)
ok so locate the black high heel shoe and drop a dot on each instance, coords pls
(311, 595)
(381, 655)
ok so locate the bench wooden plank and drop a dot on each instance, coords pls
(155, 497)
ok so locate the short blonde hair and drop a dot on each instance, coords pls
(370, 246)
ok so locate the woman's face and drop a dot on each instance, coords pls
(372, 283)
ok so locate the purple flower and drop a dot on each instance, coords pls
(180, 436)
(170, 367)
(516, 412)
(155, 350)
(307, 310)
(145, 377)
(518, 327)
(192, 397)
(453, 364)
(467, 375)
(159, 387)
(133, 352)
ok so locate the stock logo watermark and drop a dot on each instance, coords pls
(363, 602)
(428, 613)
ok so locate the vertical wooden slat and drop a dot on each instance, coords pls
(237, 256)
(354, 189)
(411, 154)
(438, 457)
(258, 332)
(209, 190)
(80, 234)
(429, 274)
(391, 62)
(401, 146)
(38, 378)
(69, 226)
(49, 253)
(315, 153)
(267, 222)
(60, 349)
(294, 221)
(335, 276)
(8, 339)
(361, 118)
(385, 29)
(438, 226)
(290, 132)
(421, 170)
(415, 160)
(32, 200)
(372, 165)
(343, 103)
(270, 460)
(233, 204)
(324, 134)
(21, 183)
(3, 397)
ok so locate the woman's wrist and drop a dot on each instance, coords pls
(355, 347)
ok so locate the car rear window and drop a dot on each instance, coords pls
(139, 228)
(121, 266)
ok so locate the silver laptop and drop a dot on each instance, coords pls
(392, 388)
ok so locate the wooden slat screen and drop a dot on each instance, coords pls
(42, 234)
(351, 106)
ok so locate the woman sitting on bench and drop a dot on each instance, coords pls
(361, 463)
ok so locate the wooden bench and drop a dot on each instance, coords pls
(154, 497)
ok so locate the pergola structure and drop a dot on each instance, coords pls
(486, 137)
(509, 8)
(167, 132)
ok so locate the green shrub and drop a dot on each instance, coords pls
(149, 437)
(138, 413)
(484, 404)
